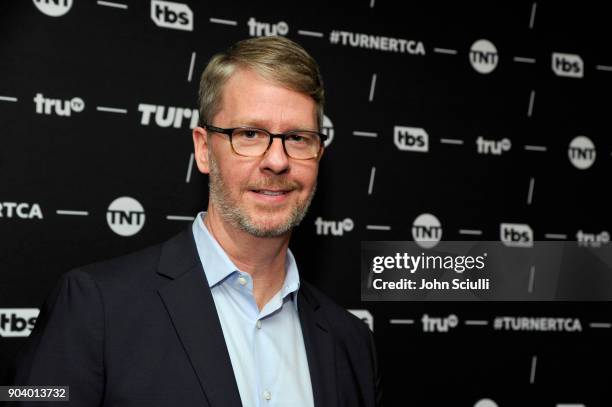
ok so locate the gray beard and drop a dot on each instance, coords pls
(229, 210)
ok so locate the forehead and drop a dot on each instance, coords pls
(250, 99)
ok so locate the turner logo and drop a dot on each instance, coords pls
(494, 147)
(568, 65)
(20, 210)
(125, 216)
(325, 227)
(259, 29)
(411, 139)
(17, 322)
(53, 8)
(328, 129)
(516, 235)
(592, 239)
(426, 230)
(57, 106)
(483, 56)
(365, 316)
(166, 116)
(168, 14)
(581, 152)
(439, 324)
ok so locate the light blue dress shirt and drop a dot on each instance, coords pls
(266, 347)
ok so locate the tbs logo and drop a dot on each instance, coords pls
(568, 65)
(516, 235)
(17, 322)
(411, 139)
(168, 14)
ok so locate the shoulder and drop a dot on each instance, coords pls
(124, 269)
(137, 270)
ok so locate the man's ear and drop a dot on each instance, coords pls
(200, 147)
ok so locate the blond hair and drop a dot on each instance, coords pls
(276, 59)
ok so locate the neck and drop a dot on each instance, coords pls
(262, 257)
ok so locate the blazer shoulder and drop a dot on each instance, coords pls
(122, 268)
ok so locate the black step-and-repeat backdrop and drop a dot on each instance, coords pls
(457, 121)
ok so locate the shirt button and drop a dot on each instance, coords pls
(259, 324)
(242, 280)
(267, 395)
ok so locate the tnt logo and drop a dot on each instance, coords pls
(328, 129)
(259, 29)
(568, 65)
(439, 324)
(168, 14)
(166, 116)
(17, 322)
(325, 227)
(483, 56)
(426, 230)
(21, 209)
(125, 216)
(581, 152)
(494, 147)
(53, 8)
(57, 106)
(592, 239)
(365, 316)
(411, 139)
(516, 235)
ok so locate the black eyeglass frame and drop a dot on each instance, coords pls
(281, 136)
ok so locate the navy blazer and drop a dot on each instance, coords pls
(143, 329)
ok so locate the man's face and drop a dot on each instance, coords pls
(264, 196)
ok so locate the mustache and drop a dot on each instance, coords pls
(275, 184)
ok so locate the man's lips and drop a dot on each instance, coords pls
(271, 192)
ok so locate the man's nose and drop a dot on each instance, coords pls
(275, 159)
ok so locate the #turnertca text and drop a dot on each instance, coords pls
(404, 261)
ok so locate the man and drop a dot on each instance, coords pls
(218, 315)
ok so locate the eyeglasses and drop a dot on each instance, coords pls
(254, 142)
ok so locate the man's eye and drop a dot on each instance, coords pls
(249, 134)
(296, 138)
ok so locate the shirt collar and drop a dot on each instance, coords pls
(218, 266)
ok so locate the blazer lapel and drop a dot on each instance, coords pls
(190, 305)
(320, 349)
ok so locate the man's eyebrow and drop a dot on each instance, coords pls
(262, 124)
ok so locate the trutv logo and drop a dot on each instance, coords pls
(17, 322)
(335, 228)
(168, 14)
(568, 65)
(48, 106)
(260, 29)
(516, 235)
